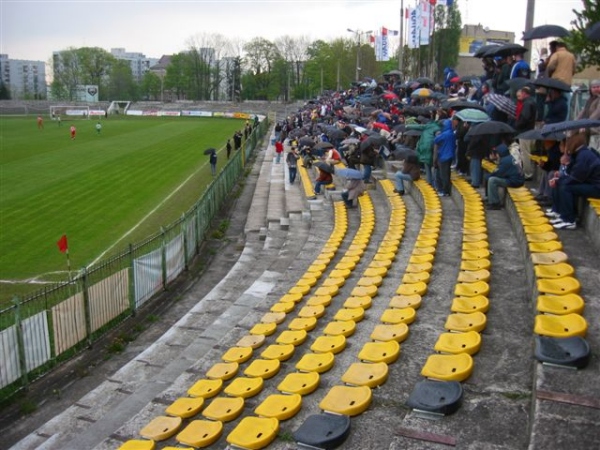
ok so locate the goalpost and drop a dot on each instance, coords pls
(72, 112)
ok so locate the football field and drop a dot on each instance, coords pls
(103, 190)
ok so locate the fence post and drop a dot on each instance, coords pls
(86, 306)
(20, 342)
(184, 226)
(131, 282)
(163, 258)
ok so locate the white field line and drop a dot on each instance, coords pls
(177, 189)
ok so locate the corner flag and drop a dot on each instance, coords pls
(63, 247)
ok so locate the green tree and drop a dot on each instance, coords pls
(150, 87)
(121, 83)
(261, 55)
(446, 38)
(578, 43)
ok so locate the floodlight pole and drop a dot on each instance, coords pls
(358, 34)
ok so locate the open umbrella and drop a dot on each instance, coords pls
(424, 80)
(490, 127)
(387, 95)
(350, 141)
(536, 135)
(324, 166)
(455, 80)
(481, 51)
(323, 145)
(569, 125)
(457, 105)
(394, 72)
(422, 93)
(593, 32)
(400, 128)
(517, 83)
(545, 31)
(552, 83)
(506, 50)
(350, 174)
(208, 151)
(503, 103)
(306, 141)
(413, 133)
(472, 115)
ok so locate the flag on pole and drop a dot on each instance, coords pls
(63, 246)
(445, 2)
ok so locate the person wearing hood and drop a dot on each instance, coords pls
(446, 149)
(424, 147)
(507, 174)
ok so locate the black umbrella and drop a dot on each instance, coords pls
(468, 78)
(424, 80)
(306, 141)
(323, 145)
(552, 83)
(490, 127)
(399, 128)
(569, 125)
(593, 32)
(504, 104)
(506, 50)
(518, 83)
(536, 135)
(481, 51)
(394, 72)
(461, 104)
(324, 166)
(545, 31)
(335, 133)
(413, 133)
(208, 151)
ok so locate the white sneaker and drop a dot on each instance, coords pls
(553, 215)
(555, 220)
(565, 225)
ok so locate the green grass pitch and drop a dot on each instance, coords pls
(95, 188)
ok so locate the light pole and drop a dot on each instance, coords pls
(358, 34)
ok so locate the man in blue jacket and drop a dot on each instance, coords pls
(507, 174)
(445, 143)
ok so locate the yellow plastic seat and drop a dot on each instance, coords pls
(282, 352)
(316, 362)
(541, 247)
(421, 259)
(482, 253)
(549, 257)
(532, 214)
(273, 317)
(206, 388)
(340, 273)
(469, 342)
(477, 245)
(533, 221)
(476, 264)
(350, 265)
(237, 354)
(395, 315)
(405, 301)
(161, 428)
(327, 290)
(325, 344)
(388, 256)
(223, 371)
(366, 374)
(302, 383)
(354, 252)
(292, 337)
(343, 314)
(251, 340)
(306, 324)
(291, 298)
(475, 229)
(466, 322)
(384, 263)
(254, 433)
(266, 329)
(244, 387)
(185, 407)
(559, 270)
(347, 400)
(541, 237)
(138, 444)
(472, 276)
(224, 409)
(419, 267)
(423, 251)
(200, 433)
(264, 368)
(330, 281)
(299, 289)
(416, 277)
(375, 272)
(307, 280)
(558, 286)
(471, 289)
(448, 367)
(320, 268)
(386, 352)
(541, 228)
(319, 300)
(369, 281)
(475, 237)
(568, 325)
(419, 288)
(284, 307)
(361, 291)
(311, 311)
(358, 302)
(560, 304)
(338, 327)
(383, 333)
(280, 406)
(468, 305)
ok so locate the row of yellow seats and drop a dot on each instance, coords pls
(202, 433)
(307, 184)
(559, 304)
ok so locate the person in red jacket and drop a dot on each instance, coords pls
(278, 151)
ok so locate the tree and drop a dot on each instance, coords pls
(260, 59)
(121, 84)
(150, 87)
(446, 39)
(578, 43)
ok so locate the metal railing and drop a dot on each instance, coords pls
(49, 326)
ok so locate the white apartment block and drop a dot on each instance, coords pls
(26, 80)
(139, 63)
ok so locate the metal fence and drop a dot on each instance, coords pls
(53, 324)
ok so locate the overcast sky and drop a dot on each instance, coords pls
(33, 29)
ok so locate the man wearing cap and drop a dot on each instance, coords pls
(561, 64)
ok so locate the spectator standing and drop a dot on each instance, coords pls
(561, 64)
(278, 151)
(213, 163)
(525, 121)
(291, 159)
(520, 68)
(228, 148)
(591, 110)
(424, 146)
(446, 149)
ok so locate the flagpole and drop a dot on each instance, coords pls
(68, 264)
(401, 52)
